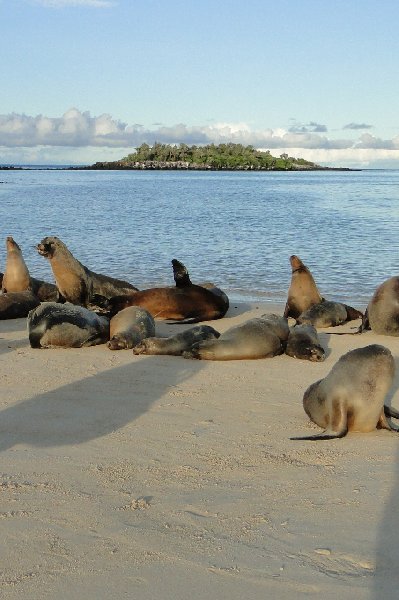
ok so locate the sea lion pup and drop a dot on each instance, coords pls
(303, 292)
(261, 337)
(16, 305)
(18, 279)
(185, 303)
(382, 313)
(303, 342)
(351, 396)
(129, 327)
(176, 344)
(75, 282)
(328, 314)
(54, 325)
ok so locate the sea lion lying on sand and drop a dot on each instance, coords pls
(261, 337)
(176, 344)
(303, 342)
(16, 305)
(328, 314)
(351, 397)
(382, 313)
(75, 282)
(53, 325)
(129, 327)
(185, 303)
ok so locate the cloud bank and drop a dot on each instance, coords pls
(79, 130)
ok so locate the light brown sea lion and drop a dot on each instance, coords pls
(54, 325)
(129, 327)
(382, 314)
(328, 314)
(16, 305)
(261, 337)
(351, 397)
(175, 345)
(17, 277)
(75, 282)
(303, 342)
(185, 303)
(303, 292)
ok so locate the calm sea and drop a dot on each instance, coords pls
(235, 229)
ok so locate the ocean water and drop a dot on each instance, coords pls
(236, 229)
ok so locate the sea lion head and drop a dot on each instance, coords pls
(48, 246)
(11, 244)
(296, 263)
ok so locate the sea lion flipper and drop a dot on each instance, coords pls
(391, 412)
(180, 274)
(338, 427)
(383, 421)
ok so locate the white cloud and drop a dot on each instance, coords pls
(75, 131)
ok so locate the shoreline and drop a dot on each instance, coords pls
(160, 476)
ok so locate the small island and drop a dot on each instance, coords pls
(229, 157)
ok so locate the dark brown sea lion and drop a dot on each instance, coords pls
(16, 305)
(261, 337)
(351, 397)
(75, 282)
(382, 314)
(18, 279)
(303, 342)
(303, 292)
(175, 345)
(129, 327)
(54, 325)
(185, 303)
(328, 314)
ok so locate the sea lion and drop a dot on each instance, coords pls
(17, 277)
(185, 303)
(382, 313)
(129, 327)
(75, 282)
(53, 325)
(261, 337)
(16, 305)
(328, 314)
(303, 342)
(303, 292)
(176, 344)
(351, 396)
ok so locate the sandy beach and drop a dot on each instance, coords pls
(162, 478)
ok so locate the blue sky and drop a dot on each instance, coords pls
(87, 80)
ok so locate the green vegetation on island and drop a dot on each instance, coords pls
(210, 157)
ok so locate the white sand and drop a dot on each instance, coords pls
(162, 478)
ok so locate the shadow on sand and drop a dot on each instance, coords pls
(94, 406)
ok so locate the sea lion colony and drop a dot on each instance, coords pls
(64, 315)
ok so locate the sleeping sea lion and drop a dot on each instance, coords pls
(16, 305)
(328, 314)
(261, 337)
(351, 397)
(382, 314)
(303, 292)
(75, 282)
(185, 303)
(176, 344)
(54, 325)
(129, 327)
(303, 342)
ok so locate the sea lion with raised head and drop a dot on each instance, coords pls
(129, 327)
(303, 292)
(328, 314)
(185, 303)
(261, 337)
(54, 325)
(16, 305)
(303, 342)
(382, 313)
(17, 277)
(75, 282)
(351, 397)
(175, 345)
